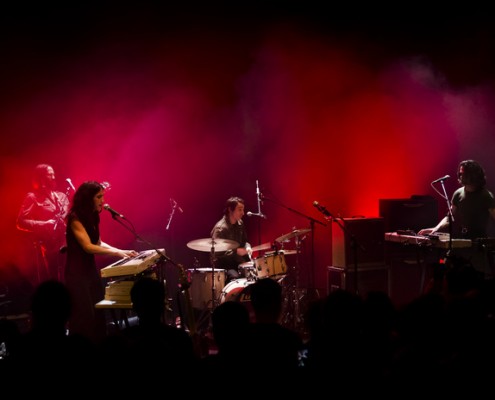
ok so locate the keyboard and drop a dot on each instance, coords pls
(132, 265)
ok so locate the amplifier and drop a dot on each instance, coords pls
(413, 213)
(368, 248)
(376, 278)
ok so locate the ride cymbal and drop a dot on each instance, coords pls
(209, 244)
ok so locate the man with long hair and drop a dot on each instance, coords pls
(41, 216)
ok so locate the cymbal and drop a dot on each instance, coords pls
(281, 251)
(207, 244)
(263, 246)
(294, 233)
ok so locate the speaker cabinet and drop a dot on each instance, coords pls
(368, 279)
(361, 240)
(414, 213)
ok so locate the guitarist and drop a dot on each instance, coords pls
(41, 217)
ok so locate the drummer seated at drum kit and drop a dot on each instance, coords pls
(231, 227)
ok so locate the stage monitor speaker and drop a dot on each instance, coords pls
(362, 239)
(371, 279)
(415, 213)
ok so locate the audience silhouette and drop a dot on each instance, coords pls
(230, 328)
(272, 345)
(46, 352)
(151, 349)
(442, 342)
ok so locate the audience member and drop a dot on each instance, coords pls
(150, 348)
(47, 353)
(274, 346)
(228, 366)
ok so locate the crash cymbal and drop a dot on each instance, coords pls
(294, 233)
(217, 244)
(263, 246)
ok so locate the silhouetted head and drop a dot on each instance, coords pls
(230, 325)
(266, 299)
(148, 299)
(51, 305)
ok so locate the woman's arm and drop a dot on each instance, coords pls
(84, 241)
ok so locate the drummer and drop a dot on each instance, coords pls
(231, 227)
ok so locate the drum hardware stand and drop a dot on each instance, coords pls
(292, 317)
(206, 313)
(312, 229)
(294, 285)
(211, 245)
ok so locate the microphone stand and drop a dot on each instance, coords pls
(259, 214)
(450, 217)
(312, 222)
(172, 213)
(170, 243)
(170, 217)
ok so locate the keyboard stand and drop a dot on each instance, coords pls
(120, 319)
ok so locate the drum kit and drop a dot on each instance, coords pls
(208, 288)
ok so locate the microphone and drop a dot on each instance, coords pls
(322, 209)
(174, 204)
(70, 184)
(112, 211)
(441, 179)
(251, 214)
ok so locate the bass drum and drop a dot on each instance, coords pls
(238, 290)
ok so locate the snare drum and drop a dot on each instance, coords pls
(247, 270)
(271, 265)
(202, 286)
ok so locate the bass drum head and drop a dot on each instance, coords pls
(239, 290)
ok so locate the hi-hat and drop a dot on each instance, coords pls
(209, 244)
(294, 233)
(263, 246)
